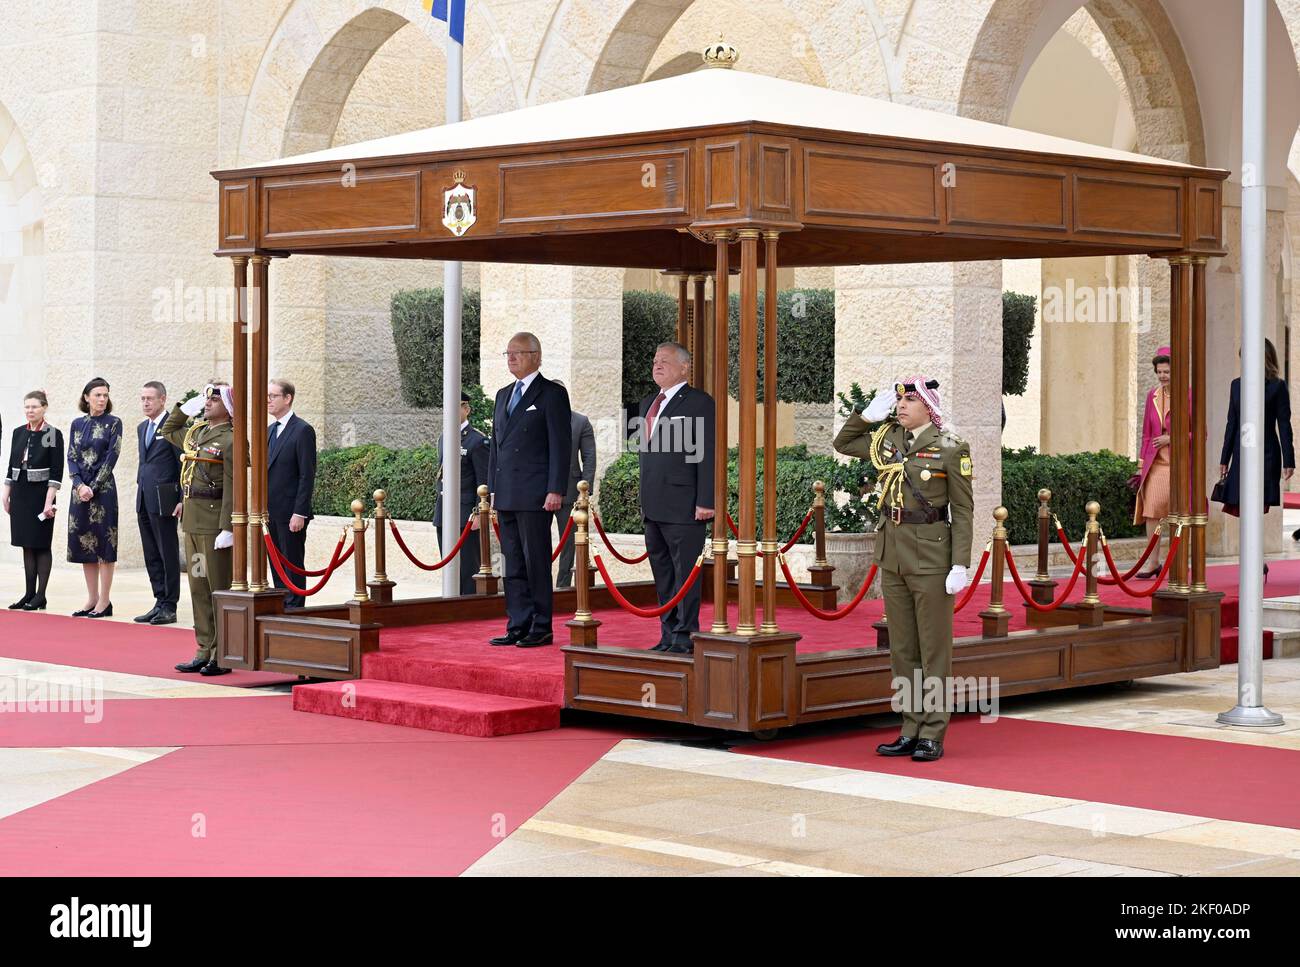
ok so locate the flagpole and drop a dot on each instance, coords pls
(451, 324)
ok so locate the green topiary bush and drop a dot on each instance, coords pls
(1017, 333)
(409, 476)
(416, 316)
(1074, 479)
(805, 342)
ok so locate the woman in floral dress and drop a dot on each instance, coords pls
(93, 449)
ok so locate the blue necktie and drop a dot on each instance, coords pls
(270, 441)
(148, 435)
(515, 397)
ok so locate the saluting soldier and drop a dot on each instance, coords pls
(922, 548)
(207, 483)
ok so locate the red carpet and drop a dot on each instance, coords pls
(1291, 500)
(1199, 777)
(424, 707)
(111, 646)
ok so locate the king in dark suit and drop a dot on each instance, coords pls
(157, 482)
(674, 438)
(528, 471)
(473, 472)
(290, 478)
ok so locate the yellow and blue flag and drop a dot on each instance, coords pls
(450, 12)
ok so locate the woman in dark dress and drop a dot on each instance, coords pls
(31, 483)
(1279, 453)
(93, 448)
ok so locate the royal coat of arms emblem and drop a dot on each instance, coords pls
(458, 208)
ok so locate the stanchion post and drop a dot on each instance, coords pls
(995, 618)
(1043, 587)
(361, 596)
(821, 572)
(1091, 611)
(381, 589)
(582, 628)
(485, 582)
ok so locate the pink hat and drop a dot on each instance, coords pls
(928, 391)
(1165, 351)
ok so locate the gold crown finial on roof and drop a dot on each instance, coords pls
(720, 54)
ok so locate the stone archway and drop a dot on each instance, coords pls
(22, 249)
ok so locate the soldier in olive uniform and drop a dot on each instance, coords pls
(922, 548)
(207, 475)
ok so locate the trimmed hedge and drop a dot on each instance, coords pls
(1017, 333)
(416, 316)
(649, 318)
(409, 476)
(805, 344)
(1074, 479)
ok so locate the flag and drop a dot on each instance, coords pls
(451, 12)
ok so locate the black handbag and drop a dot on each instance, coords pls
(1219, 493)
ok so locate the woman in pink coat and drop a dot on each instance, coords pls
(1153, 485)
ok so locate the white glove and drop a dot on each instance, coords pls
(227, 539)
(956, 580)
(193, 406)
(880, 406)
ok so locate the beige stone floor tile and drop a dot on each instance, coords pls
(1112, 819)
(1157, 854)
(1045, 865)
(1245, 837)
(900, 817)
(873, 785)
(526, 845)
(1260, 866)
(739, 871)
(35, 776)
(990, 802)
(605, 861)
(681, 817)
(1234, 736)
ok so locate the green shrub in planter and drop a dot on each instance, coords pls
(1074, 479)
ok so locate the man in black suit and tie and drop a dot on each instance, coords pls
(291, 477)
(473, 472)
(675, 442)
(528, 470)
(159, 469)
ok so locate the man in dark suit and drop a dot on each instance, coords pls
(290, 479)
(674, 437)
(473, 472)
(582, 466)
(159, 469)
(528, 471)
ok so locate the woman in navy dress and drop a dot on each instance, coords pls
(93, 449)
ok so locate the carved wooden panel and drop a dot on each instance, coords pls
(366, 205)
(237, 215)
(1004, 197)
(309, 647)
(855, 184)
(598, 186)
(1115, 206)
(774, 188)
(620, 680)
(1207, 213)
(722, 178)
(720, 677)
(1098, 657)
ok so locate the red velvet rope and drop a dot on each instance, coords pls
(626, 560)
(276, 562)
(1160, 578)
(334, 560)
(817, 612)
(1024, 593)
(496, 529)
(647, 612)
(568, 528)
(441, 564)
(970, 590)
(731, 523)
(1151, 546)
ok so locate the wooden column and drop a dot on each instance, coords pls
(239, 419)
(1199, 348)
(1180, 459)
(770, 545)
(257, 422)
(699, 357)
(719, 350)
(747, 465)
(683, 336)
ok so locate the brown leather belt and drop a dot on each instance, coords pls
(201, 494)
(901, 516)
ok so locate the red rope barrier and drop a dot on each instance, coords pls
(600, 528)
(568, 528)
(273, 555)
(731, 523)
(1164, 571)
(420, 564)
(496, 529)
(334, 559)
(970, 589)
(817, 612)
(1020, 586)
(1151, 546)
(647, 612)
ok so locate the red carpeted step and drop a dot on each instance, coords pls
(425, 707)
(1228, 638)
(1228, 612)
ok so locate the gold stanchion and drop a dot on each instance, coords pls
(821, 572)
(381, 589)
(582, 628)
(485, 582)
(995, 618)
(359, 552)
(1091, 610)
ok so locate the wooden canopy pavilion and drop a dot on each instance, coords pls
(711, 173)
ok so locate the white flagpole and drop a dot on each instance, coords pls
(1250, 709)
(451, 322)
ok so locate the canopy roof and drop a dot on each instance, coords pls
(645, 175)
